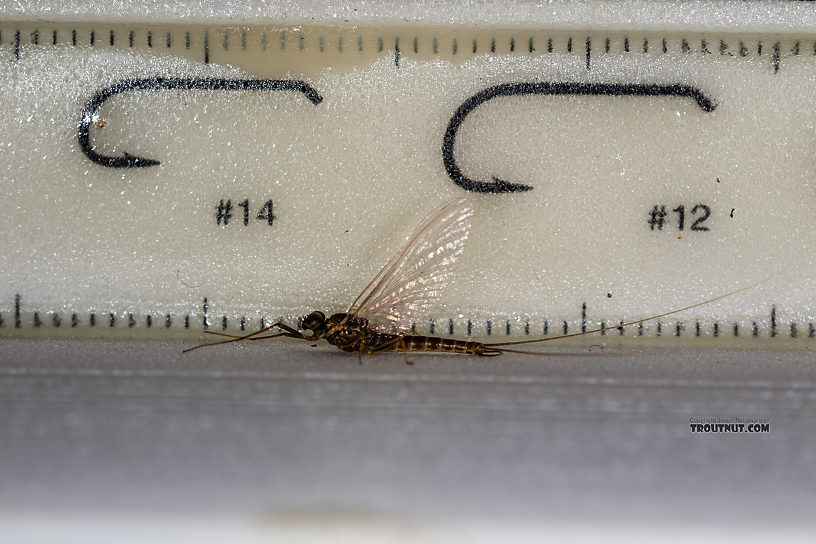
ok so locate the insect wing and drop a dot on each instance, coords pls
(412, 282)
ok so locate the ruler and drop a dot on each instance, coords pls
(158, 180)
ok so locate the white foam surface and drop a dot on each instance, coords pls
(352, 176)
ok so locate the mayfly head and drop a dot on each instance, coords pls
(315, 322)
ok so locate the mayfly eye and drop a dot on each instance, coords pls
(313, 320)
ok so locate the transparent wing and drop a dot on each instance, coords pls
(411, 283)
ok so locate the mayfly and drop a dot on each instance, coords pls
(404, 292)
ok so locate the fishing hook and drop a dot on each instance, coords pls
(510, 89)
(157, 83)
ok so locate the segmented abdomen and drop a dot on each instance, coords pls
(433, 343)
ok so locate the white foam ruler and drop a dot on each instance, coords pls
(159, 178)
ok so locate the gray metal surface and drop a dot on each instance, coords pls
(286, 431)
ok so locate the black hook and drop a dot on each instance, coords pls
(131, 161)
(509, 89)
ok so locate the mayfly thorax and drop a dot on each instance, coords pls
(404, 292)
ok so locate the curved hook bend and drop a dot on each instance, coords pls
(131, 161)
(510, 89)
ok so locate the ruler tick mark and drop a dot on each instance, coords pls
(112, 38)
(17, 45)
(92, 38)
(17, 323)
(776, 58)
(583, 317)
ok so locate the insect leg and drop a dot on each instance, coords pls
(390, 345)
(247, 336)
(288, 334)
(405, 351)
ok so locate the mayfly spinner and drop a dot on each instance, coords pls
(404, 292)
